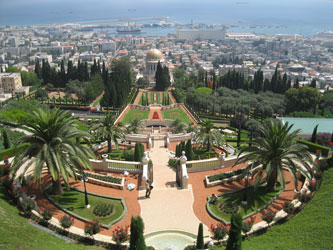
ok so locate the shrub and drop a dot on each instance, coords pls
(312, 185)
(92, 227)
(313, 147)
(268, 216)
(173, 162)
(120, 234)
(129, 155)
(229, 207)
(46, 214)
(15, 191)
(66, 221)
(219, 231)
(289, 208)
(27, 205)
(247, 225)
(4, 170)
(303, 197)
(103, 209)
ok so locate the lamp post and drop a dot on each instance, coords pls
(85, 178)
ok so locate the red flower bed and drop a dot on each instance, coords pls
(155, 116)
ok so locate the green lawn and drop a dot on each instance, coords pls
(176, 114)
(73, 201)
(204, 90)
(256, 199)
(311, 229)
(16, 233)
(133, 114)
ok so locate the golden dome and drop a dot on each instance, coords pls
(154, 55)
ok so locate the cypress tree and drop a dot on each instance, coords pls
(142, 150)
(38, 70)
(159, 77)
(177, 150)
(314, 134)
(189, 151)
(235, 233)
(183, 147)
(137, 152)
(238, 137)
(6, 142)
(296, 85)
(200, 239)
(137, 240)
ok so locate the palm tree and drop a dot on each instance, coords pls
(276, 150)
(207, 135)
(134, 126)
(52, 142)
(109, 131)
(178, 126)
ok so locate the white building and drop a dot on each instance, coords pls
(238, 36)
(223, 69)
(195, 34)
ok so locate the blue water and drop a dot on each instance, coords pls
(307, 124)
(282, 12)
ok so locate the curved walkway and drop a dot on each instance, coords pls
(168, 208)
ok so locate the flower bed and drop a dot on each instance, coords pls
(105, 180)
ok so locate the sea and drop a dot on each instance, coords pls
(304, 17)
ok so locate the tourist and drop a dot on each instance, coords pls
(148, 190)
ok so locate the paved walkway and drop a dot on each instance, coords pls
(168, 208)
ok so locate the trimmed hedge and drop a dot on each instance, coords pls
(217, 177)
(313, 147)
(106, 178)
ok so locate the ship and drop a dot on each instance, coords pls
(129, 30)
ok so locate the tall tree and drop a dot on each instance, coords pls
(52, 143)
(200, 239)
(109, 131)
(235, 233)
(209, 136)
(38, 69)
(189, 150)
(6, 142)
(314, 134)
(275, 150)
(137, 240)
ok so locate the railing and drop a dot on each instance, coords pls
(204, 165)
(116, 166)
(125, 165)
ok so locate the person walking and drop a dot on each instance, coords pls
(149, 187)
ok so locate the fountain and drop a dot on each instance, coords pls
(170, 240)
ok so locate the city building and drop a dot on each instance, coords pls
(9, 82)
(223, 69)
(195, 34)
